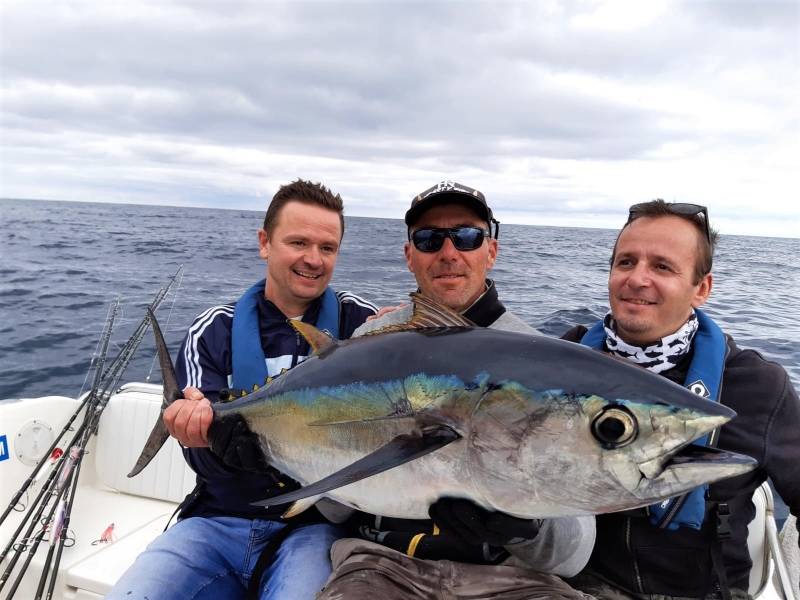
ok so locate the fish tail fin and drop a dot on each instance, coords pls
(171, 390)
(157, 437)
(159, 434)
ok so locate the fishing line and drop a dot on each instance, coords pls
(96, 353)
(179, 274)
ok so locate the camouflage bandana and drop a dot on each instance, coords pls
(657, 357)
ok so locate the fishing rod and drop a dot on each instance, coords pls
(37, 507)
(37, 539)
(62, 535)
(45, 489)
(58, 530)
(95, 402)
(24, 542)
(90, 422)
(93, 364)
(35, 474)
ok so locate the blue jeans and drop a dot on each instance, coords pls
(205, 558)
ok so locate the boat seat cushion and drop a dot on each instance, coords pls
(757, 542)
(124, 427)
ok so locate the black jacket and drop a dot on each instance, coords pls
(634, 555)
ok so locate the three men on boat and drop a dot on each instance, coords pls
(689, 547)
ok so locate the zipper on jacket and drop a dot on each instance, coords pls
(670, 514)
(637, 574)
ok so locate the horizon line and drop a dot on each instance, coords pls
(782, 237)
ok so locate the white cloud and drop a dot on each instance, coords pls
(564, 113)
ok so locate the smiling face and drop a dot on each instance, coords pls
(449, 276)
(651, 287)
(301, 253)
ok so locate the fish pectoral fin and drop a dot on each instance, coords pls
(427, 314)
(172, 392)
(400, 450)
(317, 339)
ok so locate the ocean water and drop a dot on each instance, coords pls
(63, 263)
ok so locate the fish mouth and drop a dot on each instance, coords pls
(690, 467)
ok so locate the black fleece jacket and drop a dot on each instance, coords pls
(636, 556)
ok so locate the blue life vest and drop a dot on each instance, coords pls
(248, 360)
(704, 378)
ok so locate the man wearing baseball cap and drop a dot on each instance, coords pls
(464, 551)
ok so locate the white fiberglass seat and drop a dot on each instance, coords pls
(126, 423)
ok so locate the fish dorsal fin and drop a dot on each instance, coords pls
(317, 339)
(427, 314)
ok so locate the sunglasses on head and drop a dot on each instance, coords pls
(683, 209)
(431, 239)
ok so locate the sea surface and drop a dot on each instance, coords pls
(63, 263)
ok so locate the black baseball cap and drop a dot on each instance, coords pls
(447, 192)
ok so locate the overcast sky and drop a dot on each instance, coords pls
(561, 112)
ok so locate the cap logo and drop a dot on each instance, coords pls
(444, 186)
(448, 185)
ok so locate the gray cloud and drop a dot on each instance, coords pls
(224, 97)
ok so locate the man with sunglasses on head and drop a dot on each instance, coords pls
(692, 546)
(465, 551)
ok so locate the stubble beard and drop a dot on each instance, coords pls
(632, 326)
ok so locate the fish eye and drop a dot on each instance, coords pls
(615, 427)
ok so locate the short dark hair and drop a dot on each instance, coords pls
(705, 245)
(307, 193)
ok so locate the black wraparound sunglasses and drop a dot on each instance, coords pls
(683, 209)
(431, 239)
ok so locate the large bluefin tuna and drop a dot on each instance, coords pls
(527, 425)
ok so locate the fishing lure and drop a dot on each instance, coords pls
(106, 537)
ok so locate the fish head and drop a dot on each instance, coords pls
(648, 451)
(572, 454)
